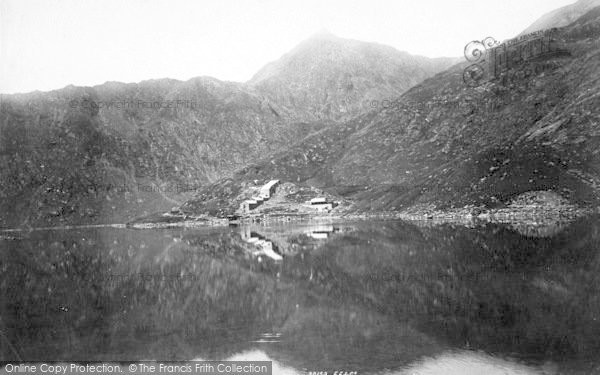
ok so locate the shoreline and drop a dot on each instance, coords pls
(531, 215)
(528, 215)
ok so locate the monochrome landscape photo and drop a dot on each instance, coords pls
(300, 187)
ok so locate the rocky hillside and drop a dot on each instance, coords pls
(535, 128)
(562, 16)
(330, 77)
(116, 151)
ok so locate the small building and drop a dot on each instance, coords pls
(264, 194)
(248, 205)
(321, 204)
(319, 200)
(268, 189)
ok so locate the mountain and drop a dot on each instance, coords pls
(327, 77)
(444, 143)
(116, 150)
(112, 152)
(562, 16)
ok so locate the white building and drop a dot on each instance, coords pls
(321, 205)
(264, 194)
(268, 189)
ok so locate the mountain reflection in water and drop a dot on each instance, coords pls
(379, 297)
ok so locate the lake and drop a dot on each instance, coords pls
(386, 297)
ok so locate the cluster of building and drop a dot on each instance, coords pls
(319, 204)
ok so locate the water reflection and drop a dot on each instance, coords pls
(450, 363)
(275, 242)
(385, 297)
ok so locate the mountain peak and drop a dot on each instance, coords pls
(332, 77)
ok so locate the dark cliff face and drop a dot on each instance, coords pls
(327, 77)
(445, 143)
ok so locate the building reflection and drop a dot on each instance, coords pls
(274, 244)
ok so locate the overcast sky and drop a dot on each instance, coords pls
(48, 44)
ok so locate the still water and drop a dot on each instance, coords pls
(379, 297)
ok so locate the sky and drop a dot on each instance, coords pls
(49, 44)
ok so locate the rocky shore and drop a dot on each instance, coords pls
(529, 215)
